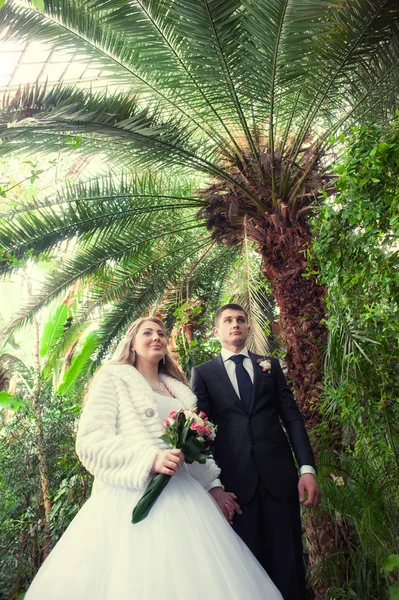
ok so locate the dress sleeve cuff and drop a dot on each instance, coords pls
(215, 483)
(307, 469)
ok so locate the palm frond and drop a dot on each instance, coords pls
(356, 36)
(271, 29)
(100, 255)
(144, 293)
(247, 286)
(65, 111)
(66, 120)
(345, 345)
(104, 207)
(123, 54)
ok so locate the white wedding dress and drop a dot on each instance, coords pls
(183, 549)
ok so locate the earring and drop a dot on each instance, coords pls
(164, 360)
(133, 356)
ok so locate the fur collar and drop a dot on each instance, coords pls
(135, 380)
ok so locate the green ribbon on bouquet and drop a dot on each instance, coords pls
(150, 496)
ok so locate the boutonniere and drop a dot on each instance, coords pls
(265, 364)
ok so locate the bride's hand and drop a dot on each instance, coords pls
(226, 502)
(168, 462)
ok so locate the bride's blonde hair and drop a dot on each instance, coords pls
(125, 355)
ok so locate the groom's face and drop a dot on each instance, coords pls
(232, 329)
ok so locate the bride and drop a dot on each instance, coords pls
(184, 548)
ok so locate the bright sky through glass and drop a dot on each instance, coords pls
(26, 62)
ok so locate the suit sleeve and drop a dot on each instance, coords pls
(206, 474)
(292, 419)
(200, 389)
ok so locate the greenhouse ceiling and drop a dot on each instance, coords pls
(28, 62)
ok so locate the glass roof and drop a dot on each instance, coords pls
(28, 62)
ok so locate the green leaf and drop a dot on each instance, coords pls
(391, 563)
(166, 438)
(53, 329)
(203, 75)
(394, 592)
(194, 449)
(39, 4)
(79, 363)
(10, 401)
(185, 432)
(150, 496)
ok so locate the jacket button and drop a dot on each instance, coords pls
(150, 412)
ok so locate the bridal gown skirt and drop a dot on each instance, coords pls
(183, 549)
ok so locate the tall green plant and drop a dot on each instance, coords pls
(357, 251)
(34, 398)
(362, 497)
(25, 529)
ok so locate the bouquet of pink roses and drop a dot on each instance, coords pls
(189, 432)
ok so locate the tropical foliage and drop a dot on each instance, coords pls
(42, 483)
(25, 529)
(227, 107)
(224, 128)
(357, 248)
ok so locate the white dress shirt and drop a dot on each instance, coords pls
(248, 366)
(231, 367)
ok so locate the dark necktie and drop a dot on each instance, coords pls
(245, 384)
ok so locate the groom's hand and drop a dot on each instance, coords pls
(309, 491)
(226, 502)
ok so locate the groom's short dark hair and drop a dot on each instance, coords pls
(229, 307)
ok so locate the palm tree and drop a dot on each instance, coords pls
(237, 106)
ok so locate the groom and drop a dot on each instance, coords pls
(259, 426)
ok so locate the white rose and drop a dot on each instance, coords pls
(266, 364)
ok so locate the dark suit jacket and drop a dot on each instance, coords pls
(252, 444)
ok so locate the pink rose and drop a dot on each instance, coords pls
(202, 414)
(172, 414)
(200, 429)
(165, 423)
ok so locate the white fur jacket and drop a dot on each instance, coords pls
(119, 430)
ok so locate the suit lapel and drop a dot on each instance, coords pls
(254, 359)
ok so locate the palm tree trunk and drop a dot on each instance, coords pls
(300, 299)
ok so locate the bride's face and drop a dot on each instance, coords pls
(150, 342)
